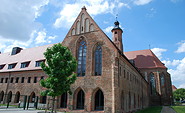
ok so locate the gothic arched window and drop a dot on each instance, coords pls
(98, 60)
(82, 58)
(1, 96)
(152, 84)
(17, 97)
(63, 103)
(99, 100)
(162, 79)
(32, 97)
(9, 99)
(80, 100)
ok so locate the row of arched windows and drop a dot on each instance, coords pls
(17, 97)
(82, 53)
(80, 100)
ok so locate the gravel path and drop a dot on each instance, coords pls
(167, 109)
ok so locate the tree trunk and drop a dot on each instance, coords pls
(53, 104)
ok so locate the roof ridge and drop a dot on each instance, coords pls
(138, 50)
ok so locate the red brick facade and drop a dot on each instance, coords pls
(124, 88)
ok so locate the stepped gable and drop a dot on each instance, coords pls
(25, 55)
(144, 59)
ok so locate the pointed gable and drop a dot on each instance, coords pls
(83, 24)
(144, 59)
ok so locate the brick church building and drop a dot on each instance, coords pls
(109, 80)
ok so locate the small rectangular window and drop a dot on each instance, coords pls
(2, 66)
(2, 79)
(25, 64)
(29, 79)
(6, 80)
(35, 80)
(11, 80)
(38, 63)
(17, 80)
(22, 80)
(11, 66)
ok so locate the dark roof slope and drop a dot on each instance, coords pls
(144, 59)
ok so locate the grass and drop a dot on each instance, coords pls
(179, 109)
(9, 105)
(156, 109)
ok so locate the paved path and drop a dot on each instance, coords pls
(18, 110)
(167, 109)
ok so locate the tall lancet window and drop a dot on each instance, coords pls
(82, 58)
(162, 79)
(152, 84)
(98, 60)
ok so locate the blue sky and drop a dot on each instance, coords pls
(158, 23)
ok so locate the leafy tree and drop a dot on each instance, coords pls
(179, 94)
(60, 67)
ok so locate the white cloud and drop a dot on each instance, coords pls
(35, 39)
(178, 74)
(171, 63)
(42, 38)
(182, 86)
(108, 29)
(175, 1)
(70, 10)
(151, 13)
(142, 2)
(158, 52)
(18, 18)
(8, 44)
(181, 48)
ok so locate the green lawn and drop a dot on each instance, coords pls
(179, 109)
(151, 110)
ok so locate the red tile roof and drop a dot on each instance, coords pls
(144, 59)
(30, 54)
(173, 88)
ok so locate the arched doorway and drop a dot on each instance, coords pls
(32, 97)
(1, 96)
(63, 103)
(9, 97)
(99, 100)
(80, 100)
(17, 97)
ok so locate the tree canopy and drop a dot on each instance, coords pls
(179, 94)
(60, 66)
